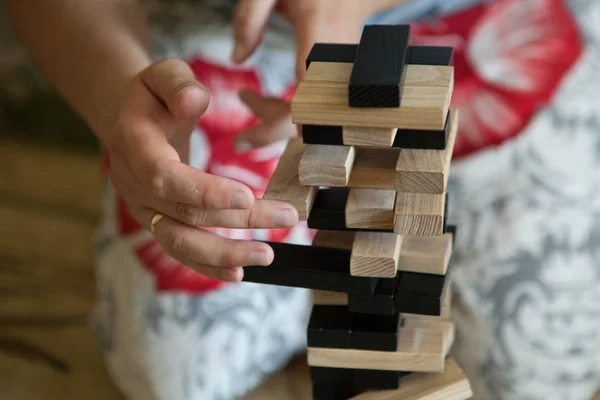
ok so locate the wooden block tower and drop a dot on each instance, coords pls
(370, 175)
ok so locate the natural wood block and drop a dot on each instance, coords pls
(426, 171)
(324, 297)
(452, 384)
(421, 348)
(334, 239)
(368, 137)
(370, 209)
(420, 214)
(374, 168)
(285, 184)
(426, 254)
(322, 99)
(375, 254)
(325, 165)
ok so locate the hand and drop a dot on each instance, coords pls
(331, 21)
(148, 150)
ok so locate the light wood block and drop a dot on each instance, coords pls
(322, 99)
(426, 254)
(421, 348)
(326, 298)
(326, 165)
(450, 385)
(370, 208)
(426, 171)
(374, 168)
(368, 137)
(334, 239)
(419, 214)
(375, 254)
(285, 184)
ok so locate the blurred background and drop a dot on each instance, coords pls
(49, 206)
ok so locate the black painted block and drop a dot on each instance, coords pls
(423, 139)
(454, 230)
(330, 327)
(430, 55)
(366, 379)
(375, 332)
(417, 304)
(332, 376)
(329, 210)
(421, 284)
(311, 268)
(405, 138)
(322, 134)
(380, 302)
(378, 70)
(332, 52)
(323, 391)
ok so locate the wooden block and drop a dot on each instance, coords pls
(322, 99)
(332, 52)
(430, 55)
(426, 171)
(332, 376)
(310, 267)
(368, 137)
(334, 239)
(375, 254)
(367, 380)
(322, 134)
(375, 332)
(419, 214)
(370, 209)
(325, 165)
(324, 297)
(325, 391)
(329, 211)
(378, 70)
(380, 302)
(426, 254)
(330, 326)
(452, 384)
(285, 185)
(419, 349)
(374, 168)
(423, 139)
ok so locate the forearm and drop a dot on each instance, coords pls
(376, 6)
(87, 49)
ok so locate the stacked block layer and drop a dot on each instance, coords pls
(370, 174)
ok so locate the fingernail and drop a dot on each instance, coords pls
(238, 274)
(241, 199)
(259, 258)
(238, 53)
(240, 146)
(285, 217)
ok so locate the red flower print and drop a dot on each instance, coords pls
(510, 57)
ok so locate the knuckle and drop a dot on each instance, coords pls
(156, 179)
(176, 246)
(189, 214)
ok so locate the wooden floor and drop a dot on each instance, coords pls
(49, 204)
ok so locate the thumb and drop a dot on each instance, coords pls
(174, 84)
(249, 22)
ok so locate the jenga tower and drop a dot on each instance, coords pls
(370, 174)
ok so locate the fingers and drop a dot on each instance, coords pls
(276, 122)
(196, 246)
(249, 21)
(306, 36)
(264, 214)
(173, 82)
